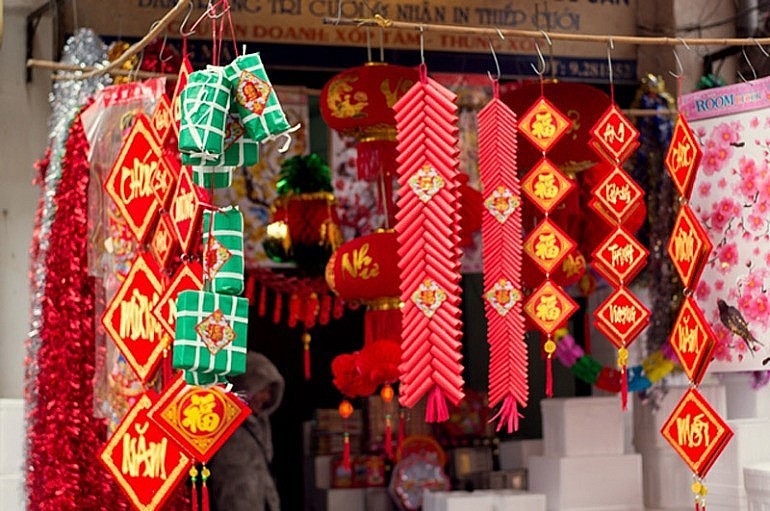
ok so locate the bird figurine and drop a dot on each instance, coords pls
(733, 320)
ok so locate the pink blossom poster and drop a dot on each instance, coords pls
(731, 197)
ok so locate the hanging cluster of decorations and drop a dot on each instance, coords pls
(501, 231)
(196, 320)
(694, 429)
(549, 306)
(429, 255)
(619, 257)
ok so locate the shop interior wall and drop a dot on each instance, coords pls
(24, 112)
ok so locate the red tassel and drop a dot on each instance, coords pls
(624, 388)
(294, 306)
(508, 415)
(167, 371)
(277, 307)
(436, 410)
(326, 309)
(194, 491)
(306, 355)
(205, 506)
(251, 282)
(381, 324)
(549, 376)
(401, 431)
(339, 308)
(346, 451)
(388, 438)
(262, 307)
(311, 311)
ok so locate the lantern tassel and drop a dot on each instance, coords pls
(381, 324)
(376, 156)
(401, 431)
(436, 410)
(205, 505)
(194, 491)
(549, 376)
(388, 438)
(306, 355)
(277, 307)
(622, 362)
(346, 451)
(250, 293)
(167, 370)
(262, 304)
(508, 415)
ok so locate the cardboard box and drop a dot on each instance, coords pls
(583, 483)
(582, 426)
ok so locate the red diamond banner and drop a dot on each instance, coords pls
(621, 317)
(548, 245)
(185, 210)
(619, 194)
(138, 170)
(620, 257)
(189, 276)
(176, 111)
(129, 319)
(545, 185)
(693, 340)
(683, 157)
(199, 419)
(614, 135)
(689, 247)
(146, 463)
(543, 124)
(549, 307)
(697, 432)
(163, 241)
(162, 120)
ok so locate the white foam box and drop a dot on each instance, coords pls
(12, 490)
(348, 499)
(516, 500)
(648, 420)
(588, 483)
(11, 436)
(456, 501)
(666, 480)
(725, 497)
(377, 499)
(582, 426)
(515, 479)
(742, 400)
(750, 445)
(756, 479)
(516, 453)
(322, 470)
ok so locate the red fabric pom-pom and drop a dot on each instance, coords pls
(348, 378)
(378, 361)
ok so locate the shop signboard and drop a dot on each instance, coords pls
(300, 23)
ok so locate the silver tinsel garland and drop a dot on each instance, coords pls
(84, 48)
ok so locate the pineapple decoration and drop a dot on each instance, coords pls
(304, 227)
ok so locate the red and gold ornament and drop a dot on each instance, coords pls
(543, 125)
(501, 232)
(694, 429)
(427, 226)
(619, 257)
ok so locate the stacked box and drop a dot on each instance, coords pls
(205, 104)
(223, 264)
(211, 333)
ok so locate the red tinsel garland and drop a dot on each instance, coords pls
(64, 436)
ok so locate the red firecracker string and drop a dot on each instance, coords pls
(427, 226)
(502, 252)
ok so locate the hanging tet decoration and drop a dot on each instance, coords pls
(146, 463)
(359, 102)
(501, 231)
(427, 226)
(694, 429)
(619, 257)
(549, 306)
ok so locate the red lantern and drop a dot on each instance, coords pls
(359, 102)
(365, 270)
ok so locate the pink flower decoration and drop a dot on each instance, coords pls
(720, 284)
(710, 162)
(754, 122)
(747, 187)
(747, 167)
(703, 291)
(726, 133)
(723, 342)
(756, 223)
(704, 189)
(728, 257)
